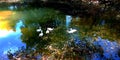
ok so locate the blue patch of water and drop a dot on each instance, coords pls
(11, 41)
(110, 48)
(12, 7)
(68, 20)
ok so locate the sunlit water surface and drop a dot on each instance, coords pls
(10, 40)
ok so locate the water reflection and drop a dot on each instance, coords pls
(103, 22)
(68, 20)
(4, 33)
(106, 49)
(10, 40)
(58, 42)
(110, 49)
(12, 7)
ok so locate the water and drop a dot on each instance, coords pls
(12, 7)
(68, 20)
(10, 40)
(110, 48)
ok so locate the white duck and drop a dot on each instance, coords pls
(71, 30)
(39, 30)
(41, 34)
(48, 30)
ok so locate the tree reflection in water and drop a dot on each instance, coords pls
(58, 44)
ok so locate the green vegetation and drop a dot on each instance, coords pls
(35, 18)
(103, 30)
(4, 6)
(59, 43)
(40, 16)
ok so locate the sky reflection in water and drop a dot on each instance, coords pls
(10, 40)
(110, 48)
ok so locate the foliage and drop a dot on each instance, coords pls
(40, 15)
(4, 6)
(35, 18)
(101, 29)
(89, 25)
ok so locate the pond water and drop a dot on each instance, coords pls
(12, 41)
(110, 48)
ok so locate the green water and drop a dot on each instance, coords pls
(58, 42)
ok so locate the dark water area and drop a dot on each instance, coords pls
(48, 34)
(105, 49)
